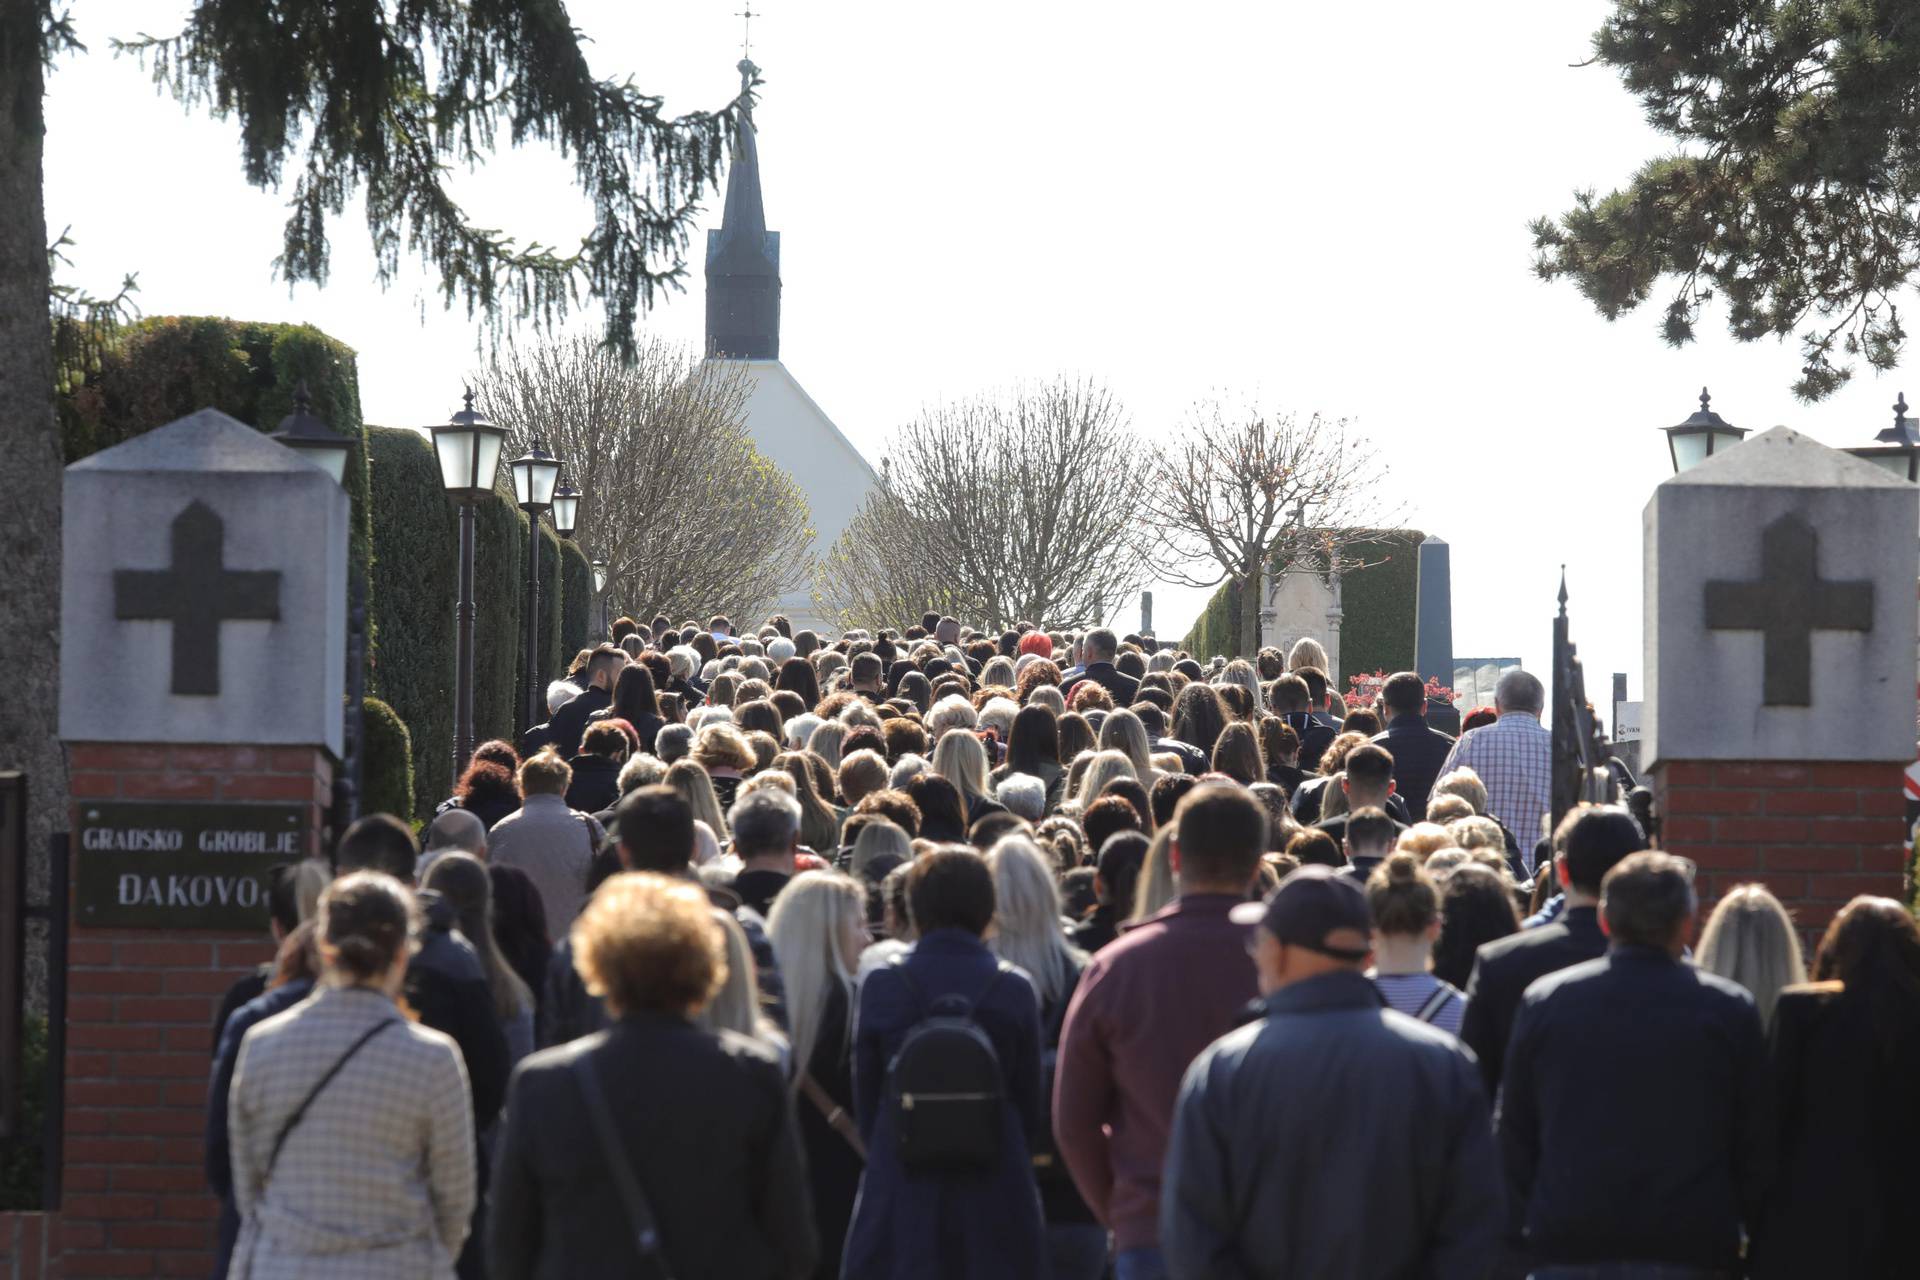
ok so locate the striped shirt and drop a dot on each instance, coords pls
(1409, 993)
(1514, 758)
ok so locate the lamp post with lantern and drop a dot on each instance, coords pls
(468, 448)
(1701, 436)
(1896, 448)
(600, 590)
(536, 475)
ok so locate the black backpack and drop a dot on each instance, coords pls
(944, 1084)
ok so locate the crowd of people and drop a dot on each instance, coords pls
(1041, 954)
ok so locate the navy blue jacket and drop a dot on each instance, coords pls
(1331, 1138)
(984, 1225)
(1503, 970)
(1109, 677)
(1635, 1119)
(1418, 752)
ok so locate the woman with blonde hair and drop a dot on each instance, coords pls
(1029, 934)
(690, 779)
(1308, 652)
(826, 740)
(1102, 768)
(1122, 731)
(1155, 888)
(1048, 696)
(818, 927)
(960, 759)
(1750, 939)
(724, 753)
(819, 827)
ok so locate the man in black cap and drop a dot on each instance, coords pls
(1333, 1137)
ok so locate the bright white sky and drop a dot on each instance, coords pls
(1321, 205)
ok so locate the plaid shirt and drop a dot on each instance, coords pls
(1514, 757)
(377, 1180)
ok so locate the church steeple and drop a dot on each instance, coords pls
(743, 257)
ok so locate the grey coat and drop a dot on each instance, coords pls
(1333, 1138)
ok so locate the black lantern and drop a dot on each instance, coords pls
(468, 447)
(313, 439)
(534, 475)
(1701, 436)
(1896, 448)
(566, 507)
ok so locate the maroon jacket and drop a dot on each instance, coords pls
(1146, 1007)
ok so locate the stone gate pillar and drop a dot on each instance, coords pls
(1780, 629)
(203, 580)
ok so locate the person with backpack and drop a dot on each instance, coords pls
(946, 1085)
(1405, 904)
(1028, 932)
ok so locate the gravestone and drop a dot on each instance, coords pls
(203, 633)
(1779, 708)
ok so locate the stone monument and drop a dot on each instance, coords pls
(203, 633)
(1779, 703)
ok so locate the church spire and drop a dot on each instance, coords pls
(743, 257)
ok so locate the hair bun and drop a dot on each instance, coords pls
(1402, 868)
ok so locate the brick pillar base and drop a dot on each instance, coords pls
(140, 1009)
(1816, 834)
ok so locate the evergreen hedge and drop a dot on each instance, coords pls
(552, 664)
(166, 367)
(499, 577)
(576, 600)
(416, 540)
(386, 765)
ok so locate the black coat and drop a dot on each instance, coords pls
(596, 783)
(1504, 970)
(1849, 1127)
(1109, 677)
(570, 721)
(707, 1124)
(833, 1168)
(1418, 752)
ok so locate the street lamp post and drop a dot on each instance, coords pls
(468, 448)
(600, 589)
(1897, 448)
(535, 474)
(1701, 436)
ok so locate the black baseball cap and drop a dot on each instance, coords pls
(1317, 908)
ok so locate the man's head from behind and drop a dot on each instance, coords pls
(765, 825)
(605, 666)
(656, 830)
(458, 830)
(1369, 779)
(1520, 691)
(1101, 645)
(1370, 833)
(1405, 694)
(377, 842)
(1316, 922)
(1219, 833)
(1596, 838)
(1647, 900)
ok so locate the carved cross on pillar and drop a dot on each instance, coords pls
(196, 594)
(1787, 605)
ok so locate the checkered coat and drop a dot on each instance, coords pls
(377, 1180)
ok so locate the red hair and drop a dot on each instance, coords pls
(1036, 642)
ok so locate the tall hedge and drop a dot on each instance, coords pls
(415, 544)
(1213, 631)
(576, 599)
(166, 367)
(551, 609)
(1381, 604)
(386, 768)
(499, 572)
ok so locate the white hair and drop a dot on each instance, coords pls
(701, 717)
(1026, 917)
(751, 647)
(559, 694)
(799, 729)
(755, 669)
(998, 715)
(859, 713)
(1048, 696)
(805, 927)
(906, 769)
(779, 649)
(951, 712)
(706, 845)
(641, 771)
(1024, 795)
(682, 661)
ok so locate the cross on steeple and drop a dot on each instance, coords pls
(196, 594)
(746, 16)
(1787, 605)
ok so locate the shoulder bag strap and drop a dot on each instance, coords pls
(836, 1115)
(299, 1112)
(1434, 1003)
(646, 1233)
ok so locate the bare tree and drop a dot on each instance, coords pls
(1011, 505)
(1234, 491)
(690, 516)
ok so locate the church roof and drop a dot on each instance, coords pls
(743, 257)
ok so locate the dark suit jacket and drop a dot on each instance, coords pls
(1503, 971)
(1418, 752)
(705, 1120)
(1109, 677)
(570, 721)
(1849, 1125)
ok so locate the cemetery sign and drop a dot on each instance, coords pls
(181, 866)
